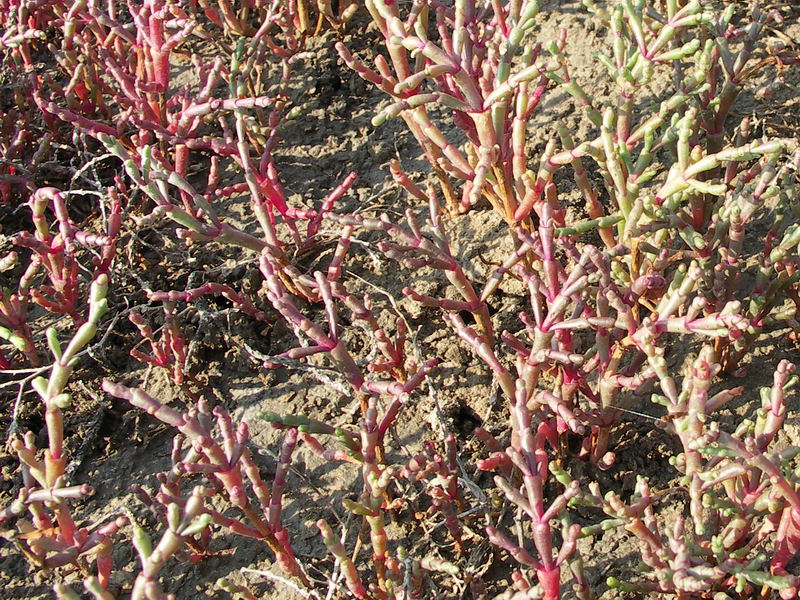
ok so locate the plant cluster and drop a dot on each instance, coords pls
(662, 224)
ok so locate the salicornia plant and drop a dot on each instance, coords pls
(651, 245)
